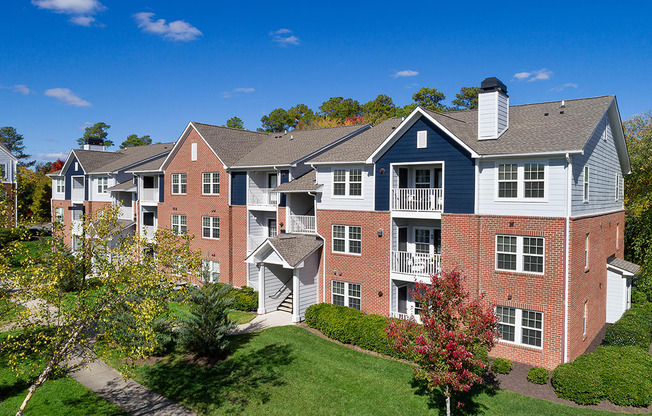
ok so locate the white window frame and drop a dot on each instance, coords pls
(58, 214)
(346, 294)
(179, 227)
(620, 188)
(102, 185)
(213, 269)
(193, 152)
(520, 181)
(347, 183)
(518, 327)
(422, 139)
(520, 253)
(586, 251)
(3, 172)
(585, 321)
(272, 231)
(179, 185)
(347, 239)
(213, 227)
(586, 184)
(211, 183)
(60, 185)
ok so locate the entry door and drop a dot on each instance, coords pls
(402, 238)
(272, 179)
(403, 177)
(402, 299)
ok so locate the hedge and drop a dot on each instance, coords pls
(244, 298)
(351, 326)
(633, 328)
(538, 375)
(622, 375)
(501, 366)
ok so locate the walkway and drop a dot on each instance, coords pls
(268, 320)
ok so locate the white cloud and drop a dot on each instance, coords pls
(245, 90)
(176, 30)
(82, 20)
(229, 94)
(284, 38)
(405, 73)
(542, 74)
(226, 94)
(66, 96)
(563, 87)
(83, 126)
(21, 89)
(48, 156)
(70, 6)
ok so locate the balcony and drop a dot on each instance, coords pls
(262, 197)
(77, 190)
(305, 224)
(417, 199)
(415, 264)
(254, 242)
(150, 195)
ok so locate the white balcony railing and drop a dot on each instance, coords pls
(254, 242)
(404, 316)
(302, 224)
(415, 263)
(149, 195)
(262, 197)
(148, 232)
(126, 213)
(418, 199)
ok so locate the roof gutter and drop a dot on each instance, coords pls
(566, 154)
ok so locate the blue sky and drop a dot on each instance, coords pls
(70, 63)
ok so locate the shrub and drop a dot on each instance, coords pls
(501, 366)
(351, 326)
(245, 299)
(204, 330)
(623, 375)
(538, 375)
(633, 328)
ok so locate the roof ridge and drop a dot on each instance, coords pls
(232, 128)
(326, 128)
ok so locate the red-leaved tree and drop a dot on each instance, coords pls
(456, 332)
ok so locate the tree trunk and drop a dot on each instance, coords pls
(448, 401)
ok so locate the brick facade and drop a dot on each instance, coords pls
(11, 214)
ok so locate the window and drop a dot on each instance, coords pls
(59, 185)
(211, 183)
(584, 321)
(102, 184)
(586, 184)
(520, 326)
(533, 180)
(347, 239)
(422, 178)
(271, 227)
(586, 252)
(617, 236)
(347, 182)
(620, 187)
(346, 294)
(148, 182)
(521, 254)
(507, 180)
(422, 139)
(211, 270)
(3, 172)
(179, 183)
(179, 224)
(210, 227)
(59, 214)
(148, 219)
(193, 152)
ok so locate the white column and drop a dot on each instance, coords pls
(296, 317)
(261, 289)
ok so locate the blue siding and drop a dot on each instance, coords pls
(238, 188)
(69, 174)
(459, 174)
(285, 177)
(161, 188)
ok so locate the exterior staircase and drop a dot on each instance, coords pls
(286, 305)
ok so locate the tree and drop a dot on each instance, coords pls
(235, 123)
(301, 113)
(430, 98)
(277, 121)
(96, 131)
(57, 165)
(204, 330)
(126, 281)
(379, 109)
(340, 108)
(467, 98)
(133, 140)
(456, 333)
(13, 141)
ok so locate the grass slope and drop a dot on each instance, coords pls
(290, 371)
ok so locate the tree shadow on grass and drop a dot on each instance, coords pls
(437, 400)
(230, 385)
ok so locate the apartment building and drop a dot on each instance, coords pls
(8, 185)
(526, 200)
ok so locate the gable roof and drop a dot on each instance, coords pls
(291, 147)
(94, 161)
(229, 144)
(4, 149)
(152, 165)
(291, 248)
(304, 183)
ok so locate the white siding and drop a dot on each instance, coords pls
(93, 195)
(555, 191)
(300, 170)
(308, 278)
(616, 296)
(602, 158)
(365, 203)
(502, 113)
(55, 194)
(275, 277)
(10, 167)
(252, 276)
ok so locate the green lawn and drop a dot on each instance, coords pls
(35, 248)
(290, 371)
(60, 397)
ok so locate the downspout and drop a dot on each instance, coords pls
(323, 253)
(569, 202)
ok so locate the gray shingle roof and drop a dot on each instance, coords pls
(623, 264)
(131, 156)
(230, 144)
(360, 147)
(305, 182)
(152, 165)
(286, 148)
(295, 247)
(127, 186)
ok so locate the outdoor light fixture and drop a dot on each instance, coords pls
(511, 223)
(382, 170)
(509, 297)
(380, 232)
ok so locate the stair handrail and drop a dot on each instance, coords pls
(280, 289)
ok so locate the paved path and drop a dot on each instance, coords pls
(268, 320)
